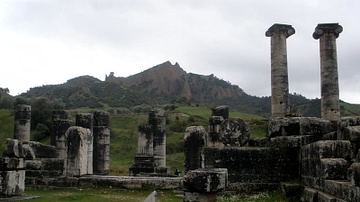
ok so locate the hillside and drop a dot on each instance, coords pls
(165, 84)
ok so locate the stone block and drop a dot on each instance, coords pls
(354, 172)
(222, 111)
(206, 180)
(259, 142)
(28, 152)
(12, 163)
(43, 151)
(101, 119)
(13, 183)
(343, 190)
(14, 148)
(33, 165)
(327, 149)
(255, 164)
(291, 141)
(323, 197)
(287, 126)
(309, 195)
(292, 190)
(234, 132)
(334, 168)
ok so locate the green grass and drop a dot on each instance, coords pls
(98, 194)
(104, 194)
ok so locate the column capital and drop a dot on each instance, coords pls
(330, 28)
(288, 30)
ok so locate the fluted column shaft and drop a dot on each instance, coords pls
(327, 33)
(279, 71)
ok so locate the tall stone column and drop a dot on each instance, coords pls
(327, 33)
(22, 120)
(279, 72)
(101, 152)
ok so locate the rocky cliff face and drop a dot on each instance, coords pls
(171, 80)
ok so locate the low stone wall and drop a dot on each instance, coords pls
(123, 182)
(263, 166)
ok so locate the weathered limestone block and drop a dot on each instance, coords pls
(313, 170)
(251, 164)
(334, 168)
(194, 141)
(42, 150)
(259, 142)
(14, 148)
(234, 132)
(354, 172)
(309, 195)
(352, 133)
(101, 119)
(214, 139)
(84, 120)
(77, 151)
(206, 180)
(300, 126)
(291, 141)
(292, 190)
(222, 111)
(13, 182)
(201, 185)
(12, 163)
(33, 164)
(22, 119)
(343, 190)
(29, 153)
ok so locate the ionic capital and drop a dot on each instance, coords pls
(329, 28)
(287, 30)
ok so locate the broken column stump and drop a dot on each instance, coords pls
(202, 185)
(194, 141)
(77, 151)
(12, 169)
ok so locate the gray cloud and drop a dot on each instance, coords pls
(224, 38)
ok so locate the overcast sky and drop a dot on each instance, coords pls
(50, 41)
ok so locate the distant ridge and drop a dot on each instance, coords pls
(172, 81)
(165, 84)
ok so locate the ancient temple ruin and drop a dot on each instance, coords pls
(314, 159)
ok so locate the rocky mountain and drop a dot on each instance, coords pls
(171, 81)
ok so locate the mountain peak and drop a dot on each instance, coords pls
(168, 80)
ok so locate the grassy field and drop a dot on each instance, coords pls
(111, 194)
